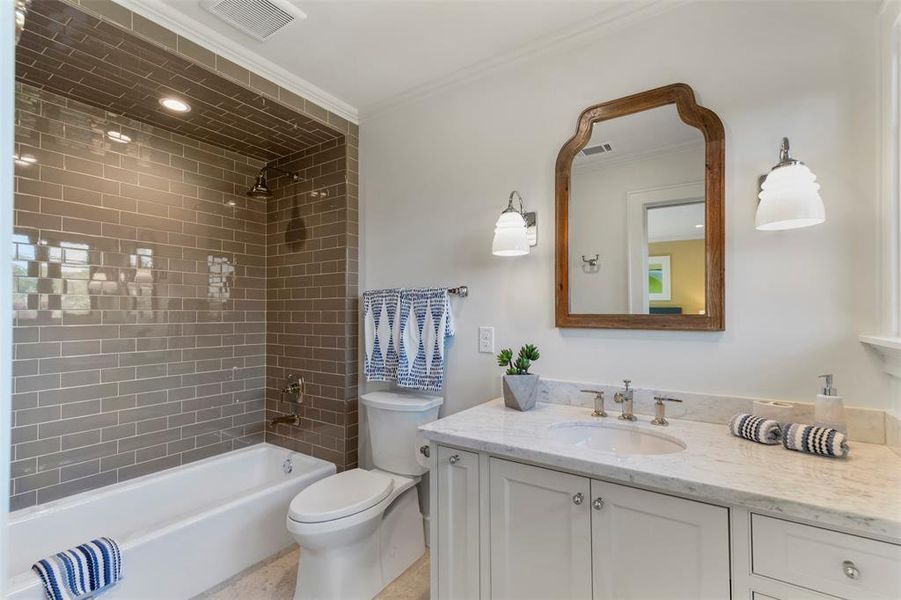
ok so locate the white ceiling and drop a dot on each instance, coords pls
(362, 55)
(674, 223)
(644, 133)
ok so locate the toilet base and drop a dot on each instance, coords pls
(371, 555)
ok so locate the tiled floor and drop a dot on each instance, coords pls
(274, 579)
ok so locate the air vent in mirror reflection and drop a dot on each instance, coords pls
(597, 149)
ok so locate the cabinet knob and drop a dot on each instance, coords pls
(577, 499)
(850, 569)
(454, 459)
(598, 503)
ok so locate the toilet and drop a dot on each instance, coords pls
(358, 530)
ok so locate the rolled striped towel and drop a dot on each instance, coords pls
(756, 429)
(824, 441)
(81, 572)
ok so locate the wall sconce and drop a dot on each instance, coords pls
(516, 230)
(789, 196)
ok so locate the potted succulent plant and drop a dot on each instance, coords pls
(520, 386)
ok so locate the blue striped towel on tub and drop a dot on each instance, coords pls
(81, 572)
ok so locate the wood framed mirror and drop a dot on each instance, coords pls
(640, 221)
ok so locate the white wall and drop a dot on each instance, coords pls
(890, 180)
(436, 174)
(598, 221)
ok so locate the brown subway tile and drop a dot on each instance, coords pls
(55, 492)
(145, 368)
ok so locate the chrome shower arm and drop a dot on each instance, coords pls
(292, 174)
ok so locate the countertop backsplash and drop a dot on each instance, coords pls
(864, 424)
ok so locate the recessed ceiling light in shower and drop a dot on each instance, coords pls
(118, 137)
(174, 104)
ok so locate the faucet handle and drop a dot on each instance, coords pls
(662, 399)
(627, 383)
(598, 403)
(660, 410)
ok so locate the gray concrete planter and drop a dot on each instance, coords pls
(520, 391)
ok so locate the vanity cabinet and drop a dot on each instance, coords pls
(550, 534)
(502, 529)
(540, 523)
(649, 545)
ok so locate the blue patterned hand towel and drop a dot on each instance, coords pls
(381, 334)
(426, 322)
(81, 572)
(824, 441)
(756, 429)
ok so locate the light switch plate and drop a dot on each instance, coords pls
(486, 340)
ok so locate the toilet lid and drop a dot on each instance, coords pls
(339, 496)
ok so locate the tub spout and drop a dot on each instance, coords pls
(293, 419)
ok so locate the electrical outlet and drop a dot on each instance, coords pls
(486, 340)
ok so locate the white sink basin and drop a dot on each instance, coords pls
(616, 439)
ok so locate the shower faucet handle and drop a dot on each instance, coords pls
(296, 387)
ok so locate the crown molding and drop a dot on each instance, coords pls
(624, 15)
(628, 13)
(214, 41)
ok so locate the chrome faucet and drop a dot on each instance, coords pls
(625, 398)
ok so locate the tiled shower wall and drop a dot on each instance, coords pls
(312, 300)
(139, 301)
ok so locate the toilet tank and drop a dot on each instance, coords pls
(393, 418)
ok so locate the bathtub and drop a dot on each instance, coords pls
(182, 531)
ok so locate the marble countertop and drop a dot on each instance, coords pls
(861, 493)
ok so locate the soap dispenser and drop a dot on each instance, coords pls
(829, 410)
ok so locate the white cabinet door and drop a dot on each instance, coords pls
(649, 546)
(540, 533)
(458, 524)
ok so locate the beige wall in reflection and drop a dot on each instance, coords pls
(686, 274)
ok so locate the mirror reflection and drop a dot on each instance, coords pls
(637, 217)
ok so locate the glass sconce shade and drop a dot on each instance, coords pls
(789, 196)
(511, 232)
(510, 238)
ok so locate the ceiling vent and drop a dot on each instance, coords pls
(260, 19)
(599, 149)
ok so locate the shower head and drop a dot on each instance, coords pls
(260, 188)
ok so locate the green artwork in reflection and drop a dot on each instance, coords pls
(655, 279)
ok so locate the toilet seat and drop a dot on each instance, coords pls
(340, 496)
